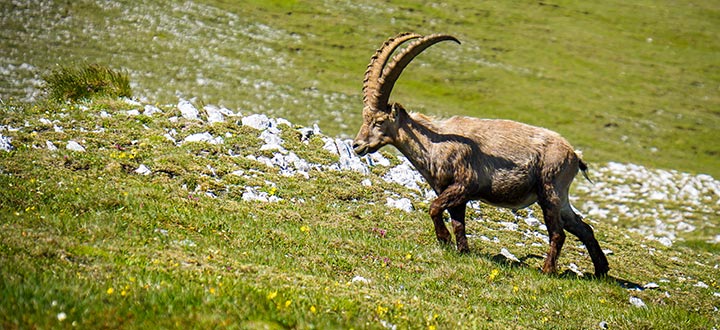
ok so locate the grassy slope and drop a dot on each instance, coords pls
(84, 235)
(624, 82)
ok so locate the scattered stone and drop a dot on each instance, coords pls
(257, 121)
(637, 302)
(402, 203)
(651, 285)
(505, 253)
(143, 170)
(214, 115)
(509, 226)
(203, 137)
(348, 159)
(665, 241)
(188, 110)
(575, 269)
(74, 146)
(272, 139)
(405, 175)
(5, 143)
(252, 194)
(50, 146)
(150, 110)
(360, 279)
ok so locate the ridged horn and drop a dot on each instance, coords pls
(371, 83)
(393, 70)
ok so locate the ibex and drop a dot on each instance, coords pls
(500, 162)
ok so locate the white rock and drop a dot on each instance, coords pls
(150, 110)
(252, 194)
(74, 146)
(130, 101)
(360, 279)
(257, 121)
(637, 302)
(143, 170)
(665, 241)
(214, 115)
(366, 182)
(132, 113)
(272, 141)
(532, 221)
(405, 175)
(505, 253)
(575, 269)
(51, 146)
(188, 110)
(348, 159)
(204, 137)
(402, 203)
(651, 285)
(509, 226)
(5, 143)
(701, 284)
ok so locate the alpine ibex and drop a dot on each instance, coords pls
(500, 162)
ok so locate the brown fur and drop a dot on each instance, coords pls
(500, 162)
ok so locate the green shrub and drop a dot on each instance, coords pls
(72, 83)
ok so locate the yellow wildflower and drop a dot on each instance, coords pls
(493, 274)
(272, 295)
(381, 310)
(110, 291)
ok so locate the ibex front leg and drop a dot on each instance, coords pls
(453, 200)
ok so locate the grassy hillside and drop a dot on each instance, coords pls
(631, 82)
(112, 217)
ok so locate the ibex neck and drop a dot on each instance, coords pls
(414, 140)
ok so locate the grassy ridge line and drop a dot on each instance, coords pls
(87, 241)
(613, 77)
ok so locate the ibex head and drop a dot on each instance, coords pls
(379, 117)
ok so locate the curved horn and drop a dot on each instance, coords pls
(371, 83)
(393, 70)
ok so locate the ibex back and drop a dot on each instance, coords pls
(500, 162)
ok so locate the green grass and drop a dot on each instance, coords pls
(629, 82)
(93, 80)
(84, 237)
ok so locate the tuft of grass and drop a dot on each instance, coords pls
(86, 82)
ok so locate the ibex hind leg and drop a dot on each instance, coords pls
(575, 225)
